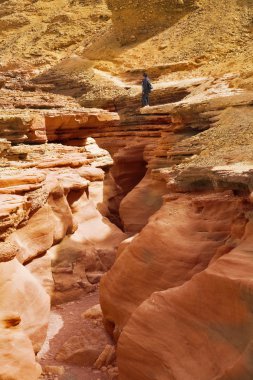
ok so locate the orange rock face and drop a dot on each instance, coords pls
(202, 329)
(179, 241)
(80, 260)
(141, 203)
(174, 176)
(54, 243)
(178, 299)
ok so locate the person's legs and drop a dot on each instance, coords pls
(144, 99)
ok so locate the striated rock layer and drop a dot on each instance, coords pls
(54, 243)
(162, 255)
(207, 320)
(180, 298)
(179, 293)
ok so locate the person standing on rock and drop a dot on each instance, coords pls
(146, 89)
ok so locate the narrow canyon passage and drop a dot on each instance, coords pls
(69, 318)
(77, 346)
(126, 232)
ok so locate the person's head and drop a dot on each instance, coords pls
(145, 75)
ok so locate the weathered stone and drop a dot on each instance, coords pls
(28, 299)
(107, 357)
(83, 349)
(55, 370)
(94, 313)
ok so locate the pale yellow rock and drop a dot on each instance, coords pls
(17, 359)
(8, 251)
(94, 312)
(41, 269)
(21, 293)
(37, 236)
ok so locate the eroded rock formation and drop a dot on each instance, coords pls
(209, 320)
(55, 244)
(185, 261)
(79, 159)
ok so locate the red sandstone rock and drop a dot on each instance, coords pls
(178, 242)
(91, 249)
(84, 349)
(38, 117)
(142, 202)
(42, 230)
(208, 320)
(107, 357)
(129, 166)
(21, 182)
(91, 173)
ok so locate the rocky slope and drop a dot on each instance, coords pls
(39, 33)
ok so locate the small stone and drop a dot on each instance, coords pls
(106, 358)
(162, 47)
(55, 370)
(94, 312)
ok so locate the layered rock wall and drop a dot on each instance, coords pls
(177, 178)
(187, 269)
(54, 243)
(209, 320)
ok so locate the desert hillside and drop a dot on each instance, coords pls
(126, 231)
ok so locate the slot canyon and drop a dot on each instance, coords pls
(126, 232)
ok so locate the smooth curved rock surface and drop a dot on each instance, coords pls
(178, 242)
(142, 202)
(201, 330)
(17, 359)
(82, 258)
(28, 299)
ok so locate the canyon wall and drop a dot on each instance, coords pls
(181, 281)
(152, 206)
(55, 245)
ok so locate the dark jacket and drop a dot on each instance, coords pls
(146, 86)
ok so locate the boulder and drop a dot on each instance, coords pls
(28, 299)
(85, 348)
(17, 358)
